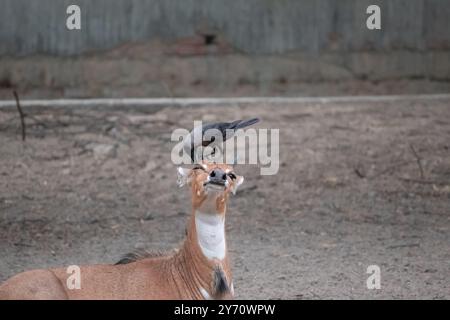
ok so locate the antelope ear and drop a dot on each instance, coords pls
(184, 176)
(239, 180)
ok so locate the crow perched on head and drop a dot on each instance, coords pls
(192, 141)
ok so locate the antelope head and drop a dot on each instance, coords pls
(210, 184)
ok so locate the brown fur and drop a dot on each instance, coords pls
(178, 275)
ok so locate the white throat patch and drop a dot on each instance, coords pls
(205, 294)
(211, 234)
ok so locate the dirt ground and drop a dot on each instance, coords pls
(89, 185)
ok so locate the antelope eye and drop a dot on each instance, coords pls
(198, 168)
(232, 176)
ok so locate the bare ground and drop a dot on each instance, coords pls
(91, 184)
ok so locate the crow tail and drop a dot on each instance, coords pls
(243, 124)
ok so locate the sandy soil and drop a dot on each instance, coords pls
(90, 185)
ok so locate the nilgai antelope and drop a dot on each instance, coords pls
(200, 269)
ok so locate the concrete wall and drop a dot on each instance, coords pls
(250, 26)
(162, 43)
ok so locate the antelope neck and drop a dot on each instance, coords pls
(210, 230)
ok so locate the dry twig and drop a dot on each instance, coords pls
(22, 116)
(418, 159)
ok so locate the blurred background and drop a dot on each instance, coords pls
(157, 48)
(362, 180)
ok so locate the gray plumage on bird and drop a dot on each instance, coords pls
(199, 136)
